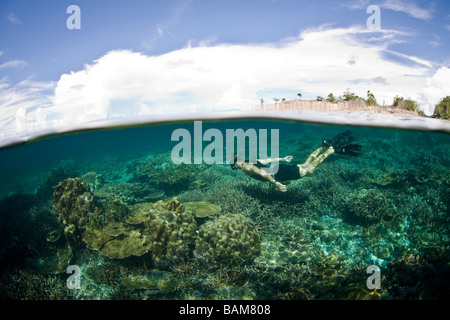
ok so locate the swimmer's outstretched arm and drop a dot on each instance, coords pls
(270, 160)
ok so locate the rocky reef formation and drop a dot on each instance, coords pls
(230, 239)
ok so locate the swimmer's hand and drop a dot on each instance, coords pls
(288, 158)
(281, 187)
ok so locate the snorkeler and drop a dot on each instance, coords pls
(341, 144)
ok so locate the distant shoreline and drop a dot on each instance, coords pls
(326, 106)
(309, 111)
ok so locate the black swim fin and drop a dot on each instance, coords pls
(349, 150)
(342, 144)
(342, 139)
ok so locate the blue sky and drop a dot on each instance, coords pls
(143, 57)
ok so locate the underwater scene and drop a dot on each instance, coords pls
(110, 215)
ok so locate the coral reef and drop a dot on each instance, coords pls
(95, 180)
(159, 170)
(73, 202)
(113, 209)
(95, 238)
(56, 259)
(227, 194)
(230, 239)
(107, 273)
(24, 226)
(284, 249)
(130, 243)
(163, 229)
(27, 285)
(170, 233)
(415, 277)
(172, 205)
(156, 280)
(129, 192)
(366, 207)
(202, 209)
(56, 175)
(116, 240)
(223, 235)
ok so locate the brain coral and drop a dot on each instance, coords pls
(230, 239)
(170, 234)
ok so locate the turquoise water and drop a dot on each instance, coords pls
(113, 204)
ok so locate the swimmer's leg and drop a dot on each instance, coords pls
(313, 155)
(309, 166)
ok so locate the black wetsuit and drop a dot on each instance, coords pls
(285, 171)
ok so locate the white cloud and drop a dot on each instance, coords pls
(437, 87)
(435, 41)
(408, 7)
(16, 102)
(224, 77)
(165, 27)
(13, 64)
(356, 4)
(175, 17)
(412, 58)
(13, 18)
